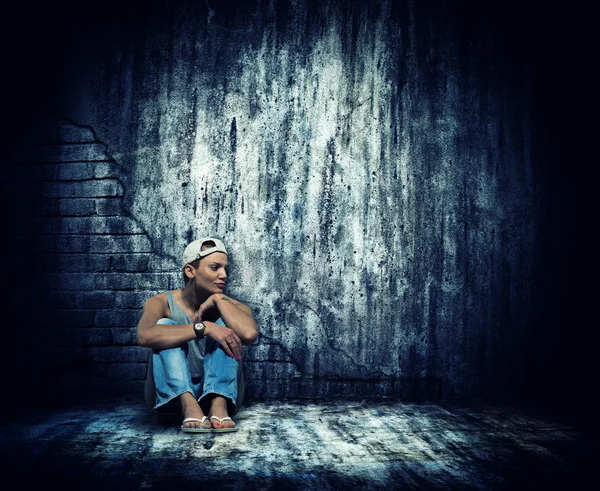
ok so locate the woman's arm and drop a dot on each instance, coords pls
(235, 314)
(161, 336)
(164, 336)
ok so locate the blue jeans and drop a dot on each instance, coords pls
(222, 376)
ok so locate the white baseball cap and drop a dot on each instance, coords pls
(194, 250)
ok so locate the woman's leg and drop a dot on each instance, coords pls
(174, 388)
(223, 379)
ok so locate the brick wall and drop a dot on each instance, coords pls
(95, 265)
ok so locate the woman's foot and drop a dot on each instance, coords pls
(190, 409)
(219, 418)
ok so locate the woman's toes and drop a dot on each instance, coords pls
(217, 423)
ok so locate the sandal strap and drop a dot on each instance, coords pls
(221, 419)
(195, 420)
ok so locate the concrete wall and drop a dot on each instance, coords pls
(375, 168)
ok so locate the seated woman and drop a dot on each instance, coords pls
(197, 334)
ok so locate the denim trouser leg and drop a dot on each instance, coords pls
(171, 373)
(222, 374)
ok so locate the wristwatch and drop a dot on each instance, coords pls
(199, 328)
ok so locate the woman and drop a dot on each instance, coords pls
(197, 334)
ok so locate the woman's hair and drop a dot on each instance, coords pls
(196, 263)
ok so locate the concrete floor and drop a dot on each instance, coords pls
(299, 445)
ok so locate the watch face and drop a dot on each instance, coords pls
(199, 328)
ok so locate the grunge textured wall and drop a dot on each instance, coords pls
(378, 171)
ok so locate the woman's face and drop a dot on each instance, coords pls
(211, 274)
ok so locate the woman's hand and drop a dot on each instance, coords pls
(227, 338)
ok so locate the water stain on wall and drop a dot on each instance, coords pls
(368, 164)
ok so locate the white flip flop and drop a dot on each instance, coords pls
(186, 429)
(223, 430)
